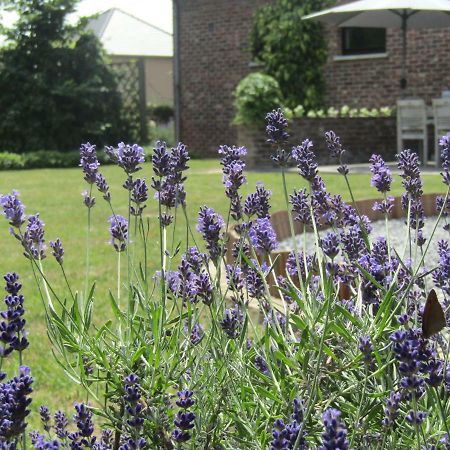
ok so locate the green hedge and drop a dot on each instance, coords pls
(43, 159)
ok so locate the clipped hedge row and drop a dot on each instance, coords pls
(43, 159)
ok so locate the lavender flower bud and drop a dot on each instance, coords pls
(128, 157)
(57, 251)
(13, 209)
(335, 435)
(119, 232)
(334, 144)
(232, 322)
(45, 417)
(306, 160)
(276, 127)
(88, 200)
(103, 187)
(262, 236)
(89, 162)
(210, 225)
(382, 178)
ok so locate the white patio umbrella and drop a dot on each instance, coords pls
(404, 14)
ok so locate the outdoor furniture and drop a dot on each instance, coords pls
(412, 124)
(441, 115)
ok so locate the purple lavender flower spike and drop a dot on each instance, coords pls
(330, 244)
(161, 160)
(210, 225)
(335, 435)
(12, 333)
(89, 162)
(300, 206)
(392, 408)
(306, 160)
(366, 348)
(262, 236)
(45, 417)
(414, 418)
(103, 187)
(57, 251)
(233, 176)
(134, 408)
(261, 365)
(334, 144)
(444, 143)
(128, 157)
(119, 232)
(232, 322)
(88, 200)
(257, 203)
(61, 424)
(185, 399)
(33, 238)
(15, 400)
(381, 174)
(83, 420)
(280, 436)
(139, 195)
(184, 420)
(276, 127)
(13, 209)
(196, 334)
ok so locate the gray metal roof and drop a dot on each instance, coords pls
(124, 34)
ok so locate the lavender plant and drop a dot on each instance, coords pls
(183, 361)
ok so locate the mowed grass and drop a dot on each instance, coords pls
(56, 195)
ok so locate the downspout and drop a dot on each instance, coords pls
(176, 67)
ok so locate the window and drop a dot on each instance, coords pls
(360, 41)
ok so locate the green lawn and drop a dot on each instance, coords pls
(56, 195)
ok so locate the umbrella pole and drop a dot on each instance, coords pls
(403, 80)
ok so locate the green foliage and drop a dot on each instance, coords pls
(11, 161)
(55, 87)
(161, 113)
(255, 94)
(344, 112)
(43, 159)
(292, 50)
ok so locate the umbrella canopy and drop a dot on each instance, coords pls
(387, 14)
(404, 14)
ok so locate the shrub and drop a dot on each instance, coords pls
(181, 363)
(292, 50)
(11, 161)
(254, 95)
(161, 114)
(56, 88)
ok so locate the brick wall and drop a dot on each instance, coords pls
(361, 137)
(214, 56)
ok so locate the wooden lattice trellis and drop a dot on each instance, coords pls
(130, 77)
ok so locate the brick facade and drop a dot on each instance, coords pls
(214, 56)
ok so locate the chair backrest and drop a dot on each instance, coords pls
(411, 115)
(441, 114)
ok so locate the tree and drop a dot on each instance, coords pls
(293, 51)
(56, 90)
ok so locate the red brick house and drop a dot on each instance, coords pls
(212, 55)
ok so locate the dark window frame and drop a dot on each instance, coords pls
(368, 50)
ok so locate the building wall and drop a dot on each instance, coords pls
(159, 80)
(158, 77)
(376, 82)
(214, 56)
